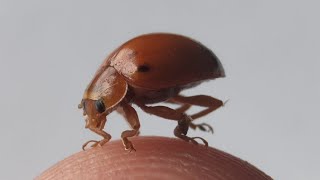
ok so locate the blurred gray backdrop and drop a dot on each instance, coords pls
(49, 51)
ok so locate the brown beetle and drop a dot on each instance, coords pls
(149, 69)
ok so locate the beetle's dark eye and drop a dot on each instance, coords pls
(100, 107)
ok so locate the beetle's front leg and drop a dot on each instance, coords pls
(99, 131)
(106, 138)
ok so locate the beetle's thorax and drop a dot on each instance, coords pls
(109, 86)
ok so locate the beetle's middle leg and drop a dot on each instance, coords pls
(168, 113)
(209, 102)
(131, 116)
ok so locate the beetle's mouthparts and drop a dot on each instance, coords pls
(87, 123)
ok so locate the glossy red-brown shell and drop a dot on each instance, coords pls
(160, 60)
(153, 62)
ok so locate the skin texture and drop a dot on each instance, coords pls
(155, 158)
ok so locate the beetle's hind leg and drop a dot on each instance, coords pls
(131, 116)
(182, 109)
(209, 102)
(168, 113)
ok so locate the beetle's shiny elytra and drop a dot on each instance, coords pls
(149, 69)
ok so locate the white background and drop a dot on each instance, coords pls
(49, 51)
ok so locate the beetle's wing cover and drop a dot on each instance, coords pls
(157, 61)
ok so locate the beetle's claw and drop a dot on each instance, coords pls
(95, 143)
(129, 146)
(132, 149)
(203, 127)
(85, 144)
(203, 140)
(193, 141)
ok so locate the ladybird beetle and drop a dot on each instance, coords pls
(149, 69)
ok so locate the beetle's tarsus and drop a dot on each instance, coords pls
(203, 127)
(95, 143)
(106, 137)
(128, 146)
(181, 130)
(85, 144)
(203, 140)
(102, 142)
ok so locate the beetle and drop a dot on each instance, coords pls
(148, 69)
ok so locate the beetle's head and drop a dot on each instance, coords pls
(94, 111)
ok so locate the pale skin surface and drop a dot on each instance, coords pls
(154, 158)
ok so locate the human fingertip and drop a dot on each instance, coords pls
(154, 158)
